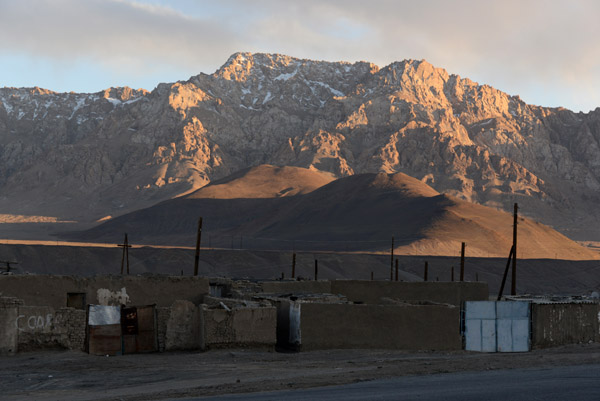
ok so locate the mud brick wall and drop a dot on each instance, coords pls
(183, 327)
(73, 323)
(104, 290)
(405, 327)
(40, 327)
(162, 318)
(371, 292)
(297, 287)
(9, 311)
(239, 327)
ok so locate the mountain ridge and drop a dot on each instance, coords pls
(88, 156)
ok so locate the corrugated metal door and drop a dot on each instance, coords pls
(502, 326)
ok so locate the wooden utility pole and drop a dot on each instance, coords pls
(125, 245)
(316, 269)
(198, 239)
(392, 261)
(371, 276)
(452, 274)
(462, 261)
(294, 265)
(425, 273)
(396, 269)
(513, 287)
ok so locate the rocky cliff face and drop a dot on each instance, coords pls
(83, 156)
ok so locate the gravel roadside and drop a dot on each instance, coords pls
(69, 375)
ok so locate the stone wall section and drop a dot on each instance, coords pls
(9, 312)
(162, 317)
(73, 322)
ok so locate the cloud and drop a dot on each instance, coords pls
(120, 34)
(545, 51)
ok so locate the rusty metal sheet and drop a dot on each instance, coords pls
(146, 339)
(104, 340)
(146, 318)
(138, 325)
(129, 344)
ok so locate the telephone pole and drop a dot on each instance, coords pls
(198, 239)
(125, 245)
(513, 287)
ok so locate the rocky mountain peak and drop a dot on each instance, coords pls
(135, 148)
(123, 94)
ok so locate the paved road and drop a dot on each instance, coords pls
(561, 383)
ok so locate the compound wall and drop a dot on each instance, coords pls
(406, 327)
(104, 290)
(241, 327)
(371, 292)
(559, 324)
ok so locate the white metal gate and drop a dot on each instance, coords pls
(497, 326)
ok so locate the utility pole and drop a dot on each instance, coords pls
(396, 269)
(510, 255)
(294, 265)
(425, 273)
(392, 261)
(198, 239)
(462, 261)
(125, 245)
(316, 269)
(513, 288)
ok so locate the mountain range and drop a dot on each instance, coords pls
(86, 157)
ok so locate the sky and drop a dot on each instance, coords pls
(546, 51)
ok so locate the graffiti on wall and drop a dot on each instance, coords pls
(34, 322)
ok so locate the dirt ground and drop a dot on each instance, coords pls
(70, 375)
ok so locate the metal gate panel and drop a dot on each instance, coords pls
(502, 326)
(513, 326)
(488, 335)
(521, 329)
(480, 326)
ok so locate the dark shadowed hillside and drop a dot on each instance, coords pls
(356, 213)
